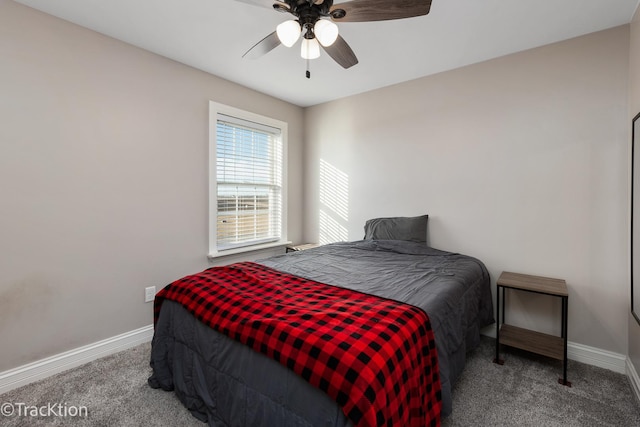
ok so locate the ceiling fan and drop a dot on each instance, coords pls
(315, 23)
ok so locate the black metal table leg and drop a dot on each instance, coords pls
(565, 321)
(497, 358)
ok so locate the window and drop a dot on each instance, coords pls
(246, 172)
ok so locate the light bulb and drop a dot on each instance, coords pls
(310, 49)
(288, 32)
(326, 32)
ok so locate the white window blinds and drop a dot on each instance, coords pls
(249, 160)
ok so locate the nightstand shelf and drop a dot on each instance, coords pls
(535, 342)
(525, 339)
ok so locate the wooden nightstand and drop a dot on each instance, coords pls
(525, 339)
(296, 248)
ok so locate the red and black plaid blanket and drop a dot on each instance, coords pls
(376, 357)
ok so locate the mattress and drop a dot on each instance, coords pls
(226, 383)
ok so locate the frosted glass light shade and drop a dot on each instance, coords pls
(326, 32)
(288, 32)
(310, 49)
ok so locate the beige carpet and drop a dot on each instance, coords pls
(113, 391)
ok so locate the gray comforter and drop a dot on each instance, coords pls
(227, 383)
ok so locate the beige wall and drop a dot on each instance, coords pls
(103, 172)
(520, 161)
(634, 108)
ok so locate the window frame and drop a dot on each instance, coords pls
(216, 109)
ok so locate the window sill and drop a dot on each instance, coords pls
(247, 249)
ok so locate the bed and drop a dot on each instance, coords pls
(224, 382)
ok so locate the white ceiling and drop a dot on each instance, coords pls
(212, 35)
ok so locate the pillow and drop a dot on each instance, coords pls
(413, 229)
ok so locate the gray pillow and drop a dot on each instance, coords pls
(413, 229)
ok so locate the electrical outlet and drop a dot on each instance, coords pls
(149, 294)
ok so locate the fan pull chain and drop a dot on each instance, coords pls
(308, 74)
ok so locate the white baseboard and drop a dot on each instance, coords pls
(632, 374)
(44, 368)
(597, 357)
(583, 353)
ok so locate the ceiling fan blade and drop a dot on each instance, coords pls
(265, 45)
(280, 6)
(341, 52)
(378, 10)
(260, 3)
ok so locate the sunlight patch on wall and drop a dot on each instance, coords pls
(334, 190)
(334, 204)
(331, 230)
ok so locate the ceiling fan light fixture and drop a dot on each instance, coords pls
(310, 49)
(326, 32)
(289, 32)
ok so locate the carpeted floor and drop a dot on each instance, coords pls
(525, 392)
(522, 392)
